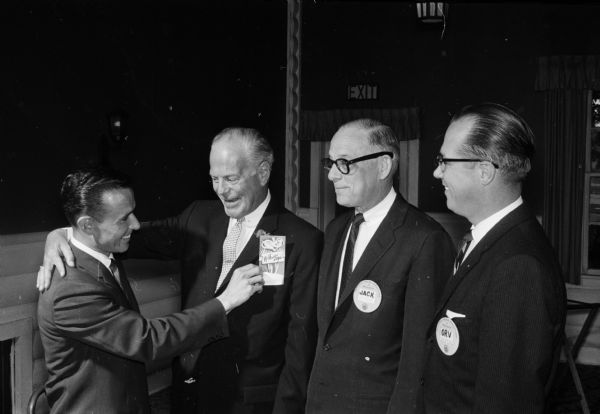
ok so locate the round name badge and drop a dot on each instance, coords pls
(447, 336)
(367, 296)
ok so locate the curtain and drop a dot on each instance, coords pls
(565, 82)
(321, 125)
(565, 117)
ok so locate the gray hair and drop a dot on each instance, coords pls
(257, 147)
(379, 135)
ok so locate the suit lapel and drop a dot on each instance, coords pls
(514, 218)
(93, 267)
(127, 287)
(380, 243)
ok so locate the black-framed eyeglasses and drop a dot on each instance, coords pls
(441, 162)
(343, 165)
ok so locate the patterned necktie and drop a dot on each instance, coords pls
(464, 246)
(349, 256)
(229, 250)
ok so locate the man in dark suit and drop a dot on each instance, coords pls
(378, 286)
(95, 340)
(495, 339)
(264, 364)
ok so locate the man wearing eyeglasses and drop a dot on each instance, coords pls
(383, 267)
(495, 339)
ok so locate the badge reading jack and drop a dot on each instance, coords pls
(367, 296)
(446, 333)
(271, 259)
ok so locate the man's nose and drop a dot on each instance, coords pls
(220, 187)
(334, 174)
(134, 224)
(437, 173)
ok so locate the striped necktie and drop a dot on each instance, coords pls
(462, 249)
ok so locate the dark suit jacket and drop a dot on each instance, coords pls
(371, 362)
(512, 295)
(269, 352)
(96, 342)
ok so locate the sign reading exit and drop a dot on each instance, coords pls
(361, 92)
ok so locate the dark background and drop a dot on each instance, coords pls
(183, 70)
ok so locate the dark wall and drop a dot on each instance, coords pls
(487, 52)
(182, 70)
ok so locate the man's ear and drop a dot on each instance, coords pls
(86, 224)
(487, 172)
(385, 165)
(264, 172)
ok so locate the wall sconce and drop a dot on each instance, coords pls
(117, 126)
(432, 12)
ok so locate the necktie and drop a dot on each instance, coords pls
(114, 269)
(229, 250)
(349, 256)
(462, 249)
(124, 284)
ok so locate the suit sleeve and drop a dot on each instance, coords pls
(302, 327)
(88, 313)
(161, 239)
(517, 338)
(426, 279)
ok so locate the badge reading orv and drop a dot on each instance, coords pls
(447, 336)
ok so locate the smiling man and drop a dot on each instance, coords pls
(95, 340)
(495, 339)
(383, 268)
(264, 364)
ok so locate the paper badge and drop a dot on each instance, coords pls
(446, 333)
(271, 259)
(367, 296)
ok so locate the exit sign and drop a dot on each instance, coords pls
(361, 92)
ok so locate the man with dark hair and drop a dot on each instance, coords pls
(264, 364)
(95, 340)
(383, 268)
(495, 339)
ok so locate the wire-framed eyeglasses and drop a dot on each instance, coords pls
(343, 165)
(441, 162)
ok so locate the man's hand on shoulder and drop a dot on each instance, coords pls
(57, 247)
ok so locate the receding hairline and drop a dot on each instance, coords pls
(256, 148)
(470, 121)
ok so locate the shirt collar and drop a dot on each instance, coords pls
(379, 210)
(101, 257)
(487, 224)
(252, 219)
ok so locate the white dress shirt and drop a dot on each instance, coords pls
(249, 224)
(373, 218)
(101, 257)
(484, 226)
